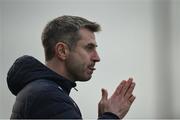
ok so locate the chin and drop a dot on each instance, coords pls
(85, 79)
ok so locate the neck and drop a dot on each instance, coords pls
(58, 67)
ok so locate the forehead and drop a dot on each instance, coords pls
(87, 37)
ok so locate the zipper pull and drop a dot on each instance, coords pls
(75, 89)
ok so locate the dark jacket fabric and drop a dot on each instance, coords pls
(42, 93)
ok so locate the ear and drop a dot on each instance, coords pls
(61, 50)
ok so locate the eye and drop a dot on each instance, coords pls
(90, 47)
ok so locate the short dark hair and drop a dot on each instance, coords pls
(64, 29)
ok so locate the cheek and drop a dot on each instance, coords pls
(83, 57)
(79, 60)
(76, 62)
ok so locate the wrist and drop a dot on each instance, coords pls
(109, 115)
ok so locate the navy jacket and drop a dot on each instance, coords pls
(42, 93)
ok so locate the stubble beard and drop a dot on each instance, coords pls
(77, 72)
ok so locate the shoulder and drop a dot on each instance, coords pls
(49, 100)
(41, 92)
(38, 86)
(44, 99)
(41, 89)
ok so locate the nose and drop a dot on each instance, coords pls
(96, 57)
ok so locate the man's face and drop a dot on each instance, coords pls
(81, 60)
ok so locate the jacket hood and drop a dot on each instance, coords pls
(27, 69)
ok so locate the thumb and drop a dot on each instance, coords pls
(104, 94)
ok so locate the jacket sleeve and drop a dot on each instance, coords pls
(108, 115)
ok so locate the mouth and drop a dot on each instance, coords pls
(91, 68)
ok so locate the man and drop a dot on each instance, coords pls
(42, 91)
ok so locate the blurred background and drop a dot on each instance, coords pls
(139, 39)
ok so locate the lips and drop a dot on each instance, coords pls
(91, 68)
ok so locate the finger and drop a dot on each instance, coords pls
(130, 90)
(119, 88)
(104, 94)
(131, 99)
(126, 86)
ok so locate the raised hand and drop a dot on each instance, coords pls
(121, 100)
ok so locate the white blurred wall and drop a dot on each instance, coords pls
(1, 78)
(139, 38)
(175, 14)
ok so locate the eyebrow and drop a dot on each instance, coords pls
(92, 44)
